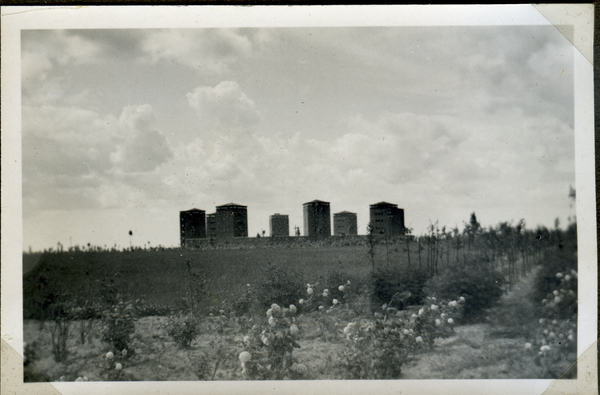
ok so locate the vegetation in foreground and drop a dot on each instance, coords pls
(380, 323)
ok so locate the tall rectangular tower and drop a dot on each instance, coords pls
(344, 223)
(317, 219)
(192, 225)
(232, 220)
(279, 225)
(387, 218)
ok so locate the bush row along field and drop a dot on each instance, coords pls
(234, 319)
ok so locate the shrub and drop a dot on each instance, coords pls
(267, 351)
(353, 285)
(319, 298)
(58, 320)
(377, 349)
(183, 329)
(556, 283)
(86, 316)
(247, 303)
(556, 346)
(555, 286)
(388, 282)
(480, 286)
(436, 319)
(279, 285)
(119, 326)
(59, 330)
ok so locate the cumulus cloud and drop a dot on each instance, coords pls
(224, 106)
(205, 50)
(43, 50)
(65, 152)
(141, 147)
(78, 157)
(69, 141)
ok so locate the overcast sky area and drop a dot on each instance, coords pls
(122, 129)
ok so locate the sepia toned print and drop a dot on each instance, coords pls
(219, 205)
(450, 300)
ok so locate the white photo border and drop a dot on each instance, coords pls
(15, 19)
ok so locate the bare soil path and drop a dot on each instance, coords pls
(494, 349)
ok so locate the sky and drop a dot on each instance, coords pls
(122, 129)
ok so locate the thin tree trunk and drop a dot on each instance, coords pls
(408, 250)
(419, 250)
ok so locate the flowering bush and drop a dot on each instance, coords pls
(113, 363)
(436, 319)
(561, 302)
(267, 351)
(377, 349)
(554, 294)
(556, 347)
(118, 325)
(324, 299)
(555, 283)
(556, 338)
(480, 287)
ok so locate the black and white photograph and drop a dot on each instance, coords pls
(307, 198)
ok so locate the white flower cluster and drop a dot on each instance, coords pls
(277, 313)
(245, 356)
(351, 331)
(294, 329)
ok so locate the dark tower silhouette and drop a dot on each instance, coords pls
(344, 223)
(279, 225)
(232, 220)
(192, 224)
(387, 218)
(317, 219)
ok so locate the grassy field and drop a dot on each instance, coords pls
(162, 276)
